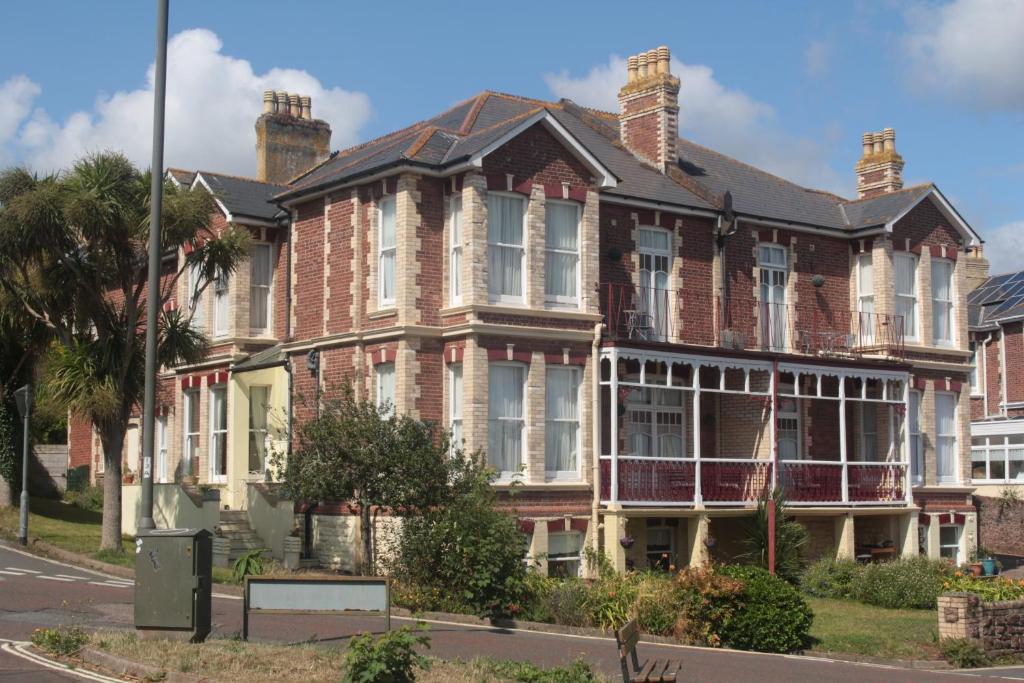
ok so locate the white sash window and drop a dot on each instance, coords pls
(945, 438)
(387, 247)
(455, 251)
(774, 271)
(562, 252)
(942, 302)
(219, 434)
(506, 417)
(506, 247)
(866, 298)
(385, 376)
(562, 423)
(259, 288)
(906, 292)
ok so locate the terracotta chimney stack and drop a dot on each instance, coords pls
(649, 108)
(289, 140)
(880, 168)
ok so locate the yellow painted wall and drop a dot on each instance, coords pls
(234, 496)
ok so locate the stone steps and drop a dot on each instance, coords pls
(234, 526)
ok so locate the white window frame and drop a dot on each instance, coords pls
(519, 298)
(455, 249)
(868, 431)
(567, 558)
(456, 388)
(160, 445)
(575, 377)
(955, 547)
(218, 393)
(384, 251)
(774, 310)
(950, 334)
(787, 393)
(259, 290)
(506, 475)
(196, 302)
(191, 441)
(561, 299)
(652, 409)
(911, 324)
(865, 296)
(671, 546)
(914, 436)
(955, 479)
(222, 304)
(655, 301)
(262, 434)
(380, 372)
(973, 377)
(997, 447)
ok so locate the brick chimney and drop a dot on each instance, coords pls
(288, 139)
(880, 169)
(649, 108)
(976, 270)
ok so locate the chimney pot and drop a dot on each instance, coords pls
(268, 101)
(282, 102)
(889, 140)
(866, 140)
(294, 108)
(663, 60)
(641, 65)
(876, 140)
(307, 107)
(631, 69)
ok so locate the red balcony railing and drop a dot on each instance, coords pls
(735, 481)
(877, 482)
(812, 482)
(652, 481)
(688, 317)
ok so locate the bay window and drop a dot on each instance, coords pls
(506, 387)
(190, 457)
(387, 250)
(455, 251)
(506, 247)
(455, 398)
(259, 288)
(562, 252)
(219, 434)
(384, 374)
(945, 437)
(905, 265)
(914, 436)
(562, 423)
(942, 302)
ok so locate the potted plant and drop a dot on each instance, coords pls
(988, 563)
(627, 541)
(974, 565)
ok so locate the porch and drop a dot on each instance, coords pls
(682, 430)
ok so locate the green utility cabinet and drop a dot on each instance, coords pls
(173, 578)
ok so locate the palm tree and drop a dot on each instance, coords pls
(73, 258)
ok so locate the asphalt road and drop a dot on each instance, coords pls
(36, 592)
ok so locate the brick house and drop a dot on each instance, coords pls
(647, 334)
(997, 404)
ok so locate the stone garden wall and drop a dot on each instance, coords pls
(998, 627)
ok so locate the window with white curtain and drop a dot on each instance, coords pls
(562, 423)
(191, 432)
(905, 265)
(221, 305)
(387, 248)
(384, 373)
(259, 407)
(219, 434)
(656, 423)
(866, 298)
(975, 384)
(564, 553)
(455, 398)
(259, 287)
(774, 270)
(562, 252)
(942, 302)
(506, 417)
(868, 432)
(945, 437)
(455, 251)
(914, 434)
(195, 298)
(506, 247)
(654, 247)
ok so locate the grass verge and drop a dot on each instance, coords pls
(852, 627)
(234, 660)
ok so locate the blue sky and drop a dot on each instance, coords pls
(789, 86)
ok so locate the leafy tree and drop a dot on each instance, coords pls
(359, 452)
(790, 539)
(73, 259)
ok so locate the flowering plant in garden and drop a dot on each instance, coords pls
(990, 590)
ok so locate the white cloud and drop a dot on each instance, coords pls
(726, 120)
(213, 100)
(817, 58)
(16, 96)
(970, 51)
(1004, 247)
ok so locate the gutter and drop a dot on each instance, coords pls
(595, 438)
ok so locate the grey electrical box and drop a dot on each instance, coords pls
(173, 577)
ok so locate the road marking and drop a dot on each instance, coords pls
(73, 578)
(12, 573)
(109, 584)
(27, 571)
(19, 649)
(54, 578)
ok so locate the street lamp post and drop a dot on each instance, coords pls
(23, 397)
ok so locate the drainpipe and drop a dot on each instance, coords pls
(595, 439)
(983, 378)
(1002, 370)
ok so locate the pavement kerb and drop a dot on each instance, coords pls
(120, 666)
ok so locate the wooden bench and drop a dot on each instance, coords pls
(651, 670)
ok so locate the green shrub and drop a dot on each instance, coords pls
(774, 617)
(62, 640)
(913, 583)
(656, 606)
(609, 600)
(963, 654)
(391, 658)
(465, 556)
(707, 600)
(567, 603)
(250, 563)
(990, 590)
(525, 672)
(85, 497)
(830, 578)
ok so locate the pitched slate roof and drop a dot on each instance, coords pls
(997, 298)
(182, 176)
(243, 197)
(703, 176)
(267, 358)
